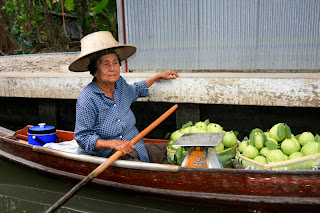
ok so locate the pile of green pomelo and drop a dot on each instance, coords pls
(275, 145)
(278, 144)
(230, 139)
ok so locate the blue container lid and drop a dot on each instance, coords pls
(42, 129)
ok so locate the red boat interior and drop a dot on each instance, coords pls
(22, 135)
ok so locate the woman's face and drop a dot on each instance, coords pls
(108, 69)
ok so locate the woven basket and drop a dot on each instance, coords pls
(309, 162)
(227, 155)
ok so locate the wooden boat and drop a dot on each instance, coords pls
(228, 188)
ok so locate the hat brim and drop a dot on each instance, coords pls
(81, 63)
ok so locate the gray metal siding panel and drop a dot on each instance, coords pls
(223, 34)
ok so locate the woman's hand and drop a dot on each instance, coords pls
(168, 74)
(125, 147)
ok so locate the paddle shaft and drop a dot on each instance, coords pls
(108, 162)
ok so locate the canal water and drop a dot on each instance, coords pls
(24, 190)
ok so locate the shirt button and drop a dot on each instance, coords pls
(120, 136)
(115, 105)
(119, 120)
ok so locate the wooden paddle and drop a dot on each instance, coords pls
(108, 162)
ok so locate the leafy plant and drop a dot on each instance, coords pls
(38, 25)
(102, 15)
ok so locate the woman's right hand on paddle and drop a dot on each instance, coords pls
(120, 145)
(125, 147)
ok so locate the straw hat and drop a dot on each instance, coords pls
(96, 42)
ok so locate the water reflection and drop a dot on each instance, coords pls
(26, 190)
(16, 198)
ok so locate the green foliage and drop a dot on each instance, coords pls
(69, 5)
(284, 129)
(207, 121)
(167, 136)
(188, 124)
(25, 22)
(100, 6)
(49, 3)
(271, 145)
(102, 16)
(38, 23)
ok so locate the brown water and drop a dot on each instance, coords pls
(25, 190)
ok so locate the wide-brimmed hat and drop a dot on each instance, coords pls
(96, 42)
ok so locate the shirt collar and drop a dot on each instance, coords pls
(97, 89)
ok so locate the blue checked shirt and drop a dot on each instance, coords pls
(100, 117)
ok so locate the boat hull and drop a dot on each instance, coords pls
(226, 188)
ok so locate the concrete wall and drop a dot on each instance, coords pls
(46, 76)
(39, 88)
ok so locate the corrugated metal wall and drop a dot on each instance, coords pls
(223, 34)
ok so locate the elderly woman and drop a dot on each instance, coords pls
(104, 120)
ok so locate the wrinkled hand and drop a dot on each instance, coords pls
(169, 74)
(125, 147)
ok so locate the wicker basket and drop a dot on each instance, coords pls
(310, 162)
(227, 155)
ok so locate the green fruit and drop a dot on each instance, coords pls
(295, 155)
(297, 137)
(219, 148)
(310, 148)
(195, 129)
(185, 130)
(289, 146)
(276, 155)
(201, 125)
(267, 134)
(297, 142)
(230, 139)
(264, 151)
(278, 132)
(259, 139)
(175, 135)
(273, 141)
(242, 145)
(306, 137)
(250, 151)
(260, 159)
(212, 127)
(254, 131)
(170, 142)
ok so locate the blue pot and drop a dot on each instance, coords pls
(42, 134)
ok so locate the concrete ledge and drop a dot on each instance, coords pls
(45, 62)
(265, 89)
(47, 76)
